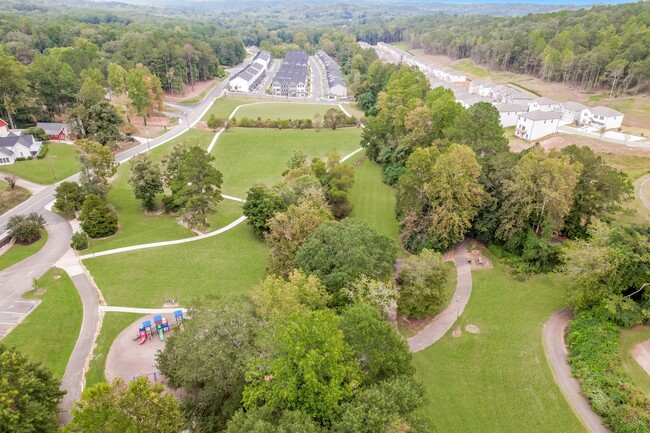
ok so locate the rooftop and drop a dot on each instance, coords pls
(605, 111)
(573, 106)
(541, 115)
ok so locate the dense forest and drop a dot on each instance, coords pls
(602, 47)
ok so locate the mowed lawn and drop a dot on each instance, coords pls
(247, 156)
(629, 339)
(63, 160)
(283, 110)
(228, 263)
(636, 167)
(498, 381)
(19, 252)
(49, 333)
(136, 227)
(112, 325)
(11, 197)
(223, 107)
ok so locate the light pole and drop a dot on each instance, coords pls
(49, 159)
(146, 133)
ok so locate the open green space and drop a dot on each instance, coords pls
(247, 156)
(136, 227)
(60, 162)
(283, 110)
(635, 167)
(49, 333)
(469, 67)
(112, 325)
(19, 252)
(10, 198)
(498, 380)
(223, 107)
(229, 263)
(373, 200)
(629, 339)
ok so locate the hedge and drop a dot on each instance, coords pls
(593, 344)
(44, 149)
(246, 122)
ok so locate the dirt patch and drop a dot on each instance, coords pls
(155, 124)
(203, 127)
(39, 292)
(12, 197)
(457, 333)
(476, 257)
(472, 329)
(411, 325)
(359, 161)
(561, 141)
(189, 92)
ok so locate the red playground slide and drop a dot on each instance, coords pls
(143, 336)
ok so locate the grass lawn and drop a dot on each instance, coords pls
(407, 330)
(499, 380)
(63, 158)
(629, 339)
(469, 67)
(10, 198)
(112, 325)
(247, 156)
(136, 227)
(283, 110)
(222, 107)
(635, 167)
(20, 252)
(49, 333)
(228, 263)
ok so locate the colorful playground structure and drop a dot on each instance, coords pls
(159, 326)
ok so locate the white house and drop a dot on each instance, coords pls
(537, 124)
(604, 117)
(575, 112)
(543, 104)
(335, 82)
(4, 128)
(250, 77)
(15, 146)
(291, 78)
(509, 113)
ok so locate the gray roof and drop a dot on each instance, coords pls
(332, 70)
(249, 72)
(10, 141)
(605, 111)
(509, 108)
(541, 115)
(6, 151)
(545, 101)
(293, 68)
(51, 128)
(573, 106)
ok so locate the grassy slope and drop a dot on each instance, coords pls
(112, 325)
(228, 263)
(249, 156)
(64, 162)
(630, 338)
(498, 380)
(222, 107)
(20, 252)
(10, 198)
(635, 167)
(135, 226)
(469, 67)
(50, 332)
(283, 110)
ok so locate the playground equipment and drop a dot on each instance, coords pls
(147, 328)
(161, 326)
(178, 315)
(142, 336)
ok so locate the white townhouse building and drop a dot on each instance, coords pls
(335, 82)
(250, 77)
(575, 112)
(544, 104)
(537, 124)
(509, 113)
(604, 117)
(291, 78)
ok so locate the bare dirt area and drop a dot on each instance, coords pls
(560, 141)
(189, 92)
(155, 124)
(476, 257)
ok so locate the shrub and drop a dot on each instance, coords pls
(79, 241)
(98, 219)
(44, 149)
(69, 197)
(594, 350)
(37, 133)
(11, 181)
(25, 228)
(422, 280)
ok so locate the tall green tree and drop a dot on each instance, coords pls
(29, 395)
(262, 203)
(69, 197)
(54, 83)
(116, 78)
(97, 217)
(422, 280)
(97, 166)
(479, 127)
(146, 180)
(13, 85)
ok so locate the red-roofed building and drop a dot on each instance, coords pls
(4, 128)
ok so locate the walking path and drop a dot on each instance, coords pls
(556, 353)
(445, 320)
(644, 200)
(641, 353)
(111, 309)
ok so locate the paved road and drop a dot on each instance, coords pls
(556, 353)
(445, 320)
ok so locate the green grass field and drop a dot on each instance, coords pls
(247, 156)
(112, 325)
(20, 252)
(136, 227)
(630, 338)
(63, 158)
(499, 380)
(222, 107)
(10, 198)
(49, 333)
(231, 262)
(283, 110)
(469, 67)
(635, 167)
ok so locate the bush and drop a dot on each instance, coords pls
(25, 228)
(69, 197)
(422, 280)
(79, 241)
(594, 350)
(98, 219)
(37, 133)
(44, 149)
